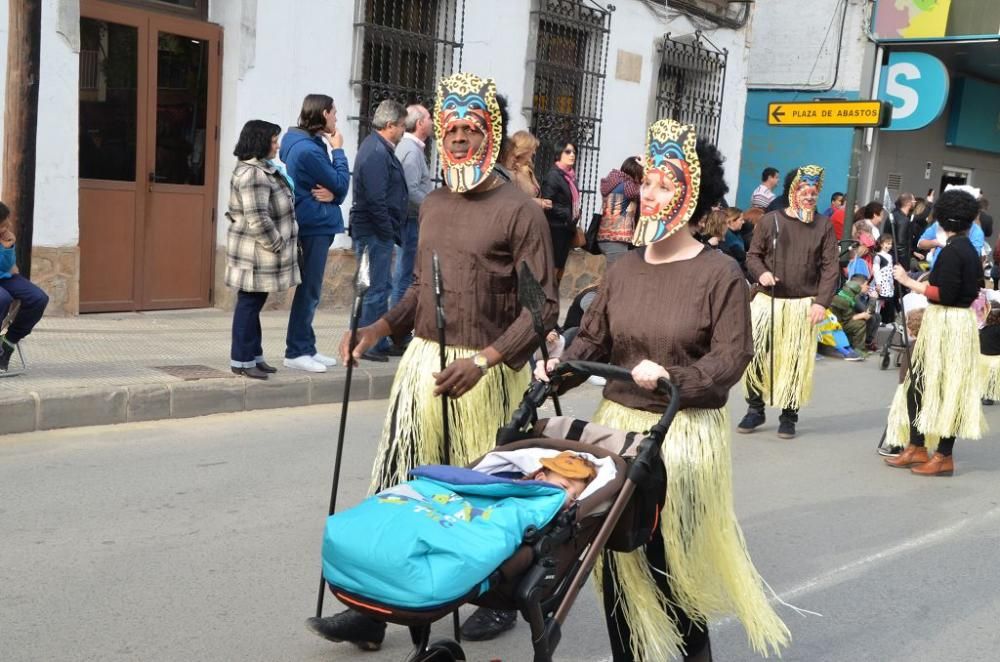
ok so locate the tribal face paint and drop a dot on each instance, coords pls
(670, 184)
(468, 129)
(804, 192)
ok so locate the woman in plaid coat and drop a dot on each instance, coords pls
(261, 253)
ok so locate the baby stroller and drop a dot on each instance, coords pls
(550, 560)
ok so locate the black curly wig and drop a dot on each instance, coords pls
(956, 210)
(713, 179)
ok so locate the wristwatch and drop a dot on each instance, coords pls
(481, 362)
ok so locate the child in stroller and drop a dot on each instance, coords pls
(474, 535)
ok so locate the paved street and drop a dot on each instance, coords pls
(199, 539)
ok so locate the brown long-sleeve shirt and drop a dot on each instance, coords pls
(691, 317)
(481, 238)
(806, 264)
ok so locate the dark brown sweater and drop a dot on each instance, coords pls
(481, 238)
(691, 317)
(806, 264)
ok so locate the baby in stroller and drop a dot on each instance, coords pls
(567, 470)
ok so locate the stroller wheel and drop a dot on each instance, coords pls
(885, 361)
(444, 650)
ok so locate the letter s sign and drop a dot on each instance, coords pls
(916, 84)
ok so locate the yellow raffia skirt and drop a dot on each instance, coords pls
(795, 355)
(989, 367)
(710, 569)
(948, 371)
(413, 433)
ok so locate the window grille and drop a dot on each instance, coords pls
(567, 104)
(691, 84)
(406, 47)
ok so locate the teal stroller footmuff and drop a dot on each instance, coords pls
(430, 541)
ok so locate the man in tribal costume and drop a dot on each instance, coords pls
(482, 228)
(793, 258)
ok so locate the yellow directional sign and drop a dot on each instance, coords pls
(829, 113)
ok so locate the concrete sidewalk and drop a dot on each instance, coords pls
(125, 367)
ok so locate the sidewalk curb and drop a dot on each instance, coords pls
(108, 405)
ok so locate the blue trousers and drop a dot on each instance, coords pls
(406, 255)
(376, 302)
(301, 339)
(33, 301)
(247, 336)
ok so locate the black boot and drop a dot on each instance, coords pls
(253, 373)
(363, 631)
(786, 424)
(753, 420)
(486, 624)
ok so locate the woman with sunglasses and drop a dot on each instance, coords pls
(560, 187)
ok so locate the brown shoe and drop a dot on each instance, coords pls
(939, 465)
(911, 455)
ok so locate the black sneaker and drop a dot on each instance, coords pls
(890, 451)
(753, 419)
(988, 402)
(786, 430)
(6, 351)
(486, 624)
(363, 631)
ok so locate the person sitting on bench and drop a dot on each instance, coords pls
(15, 286)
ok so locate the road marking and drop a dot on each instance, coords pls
(855, 568)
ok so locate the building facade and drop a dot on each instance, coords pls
(141, 103)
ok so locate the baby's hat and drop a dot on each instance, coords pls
(570, 465)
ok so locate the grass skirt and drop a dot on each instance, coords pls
(710, 569)
(413, 432)
(795, 358)
(947, 369)
(990, 376)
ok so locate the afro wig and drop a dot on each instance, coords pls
(713, 179)
(956, 210)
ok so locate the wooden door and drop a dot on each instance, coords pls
(149, 109)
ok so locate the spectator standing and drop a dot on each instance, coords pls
(412, 156)
(763, 195)
(321, 180)
(518, 159)
(619, 204)
(985, 219)
(836, 203)
(883, 279)
(781, 202)
(261, 251)
(15, 286)
(901, 216)
(560, 187)
(378, 211)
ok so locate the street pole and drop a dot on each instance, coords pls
(24, 38)
(853, 177)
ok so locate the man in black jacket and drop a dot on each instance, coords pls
(378, 210)
(901, 220)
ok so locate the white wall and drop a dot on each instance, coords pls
(56, 193)
(794, 44)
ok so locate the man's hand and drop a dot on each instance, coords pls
(817, 314)
(647, 374)
(322, 194)
(336, 139)
(458, 378)
(767, 279)
(367, 337)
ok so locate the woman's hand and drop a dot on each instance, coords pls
(458, 378)
(647, 374)
(542, 369)
(322, 194)
(899, 273)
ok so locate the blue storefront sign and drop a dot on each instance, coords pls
(916, 84)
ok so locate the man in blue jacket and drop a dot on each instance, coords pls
(321, 181)
(378, 211)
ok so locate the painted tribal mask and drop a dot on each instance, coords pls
(468, 98)
(671, 181)
(804, 192)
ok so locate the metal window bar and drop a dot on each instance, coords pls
(571, 61)
(406, 46)
(691, 84)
